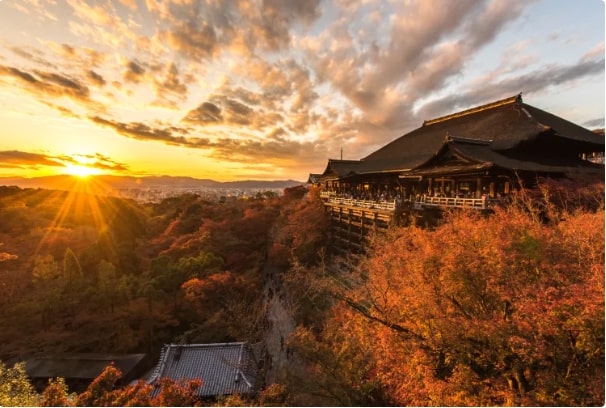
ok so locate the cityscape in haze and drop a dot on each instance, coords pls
(237, 90)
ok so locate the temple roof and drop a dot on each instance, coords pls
(224, 368)
(341, 168)
(476, 155)
(79, 365)
(504, 125)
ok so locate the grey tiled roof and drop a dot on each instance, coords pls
(79, 365)
(224, 368)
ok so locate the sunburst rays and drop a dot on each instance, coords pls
(85, 202)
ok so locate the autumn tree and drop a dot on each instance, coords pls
(99, 392)
(230, 302)
(105, 391)
(484, 310)
(337, 370)
(302, 230)
(15, 388)
(56, 394)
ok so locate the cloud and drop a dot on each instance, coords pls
(63, 85)
(193, 39)
(206, 113)
(241, 80)
(47, 86)
(35, 8)
(594, 123)
(200, 32)
(172, 87)
(31, 54)
(100, 161)
(528, 83)
(26, 160)
(134, 72)
(223, 145)
(423, 46)
(141, 131)
(131, 4)
(96, 78)
(19, 159)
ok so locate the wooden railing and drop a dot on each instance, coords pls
(327, 194)
(418, 204)
(478, 203)
(351, 202)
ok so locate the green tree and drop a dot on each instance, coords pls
(168, 277)
(71, 269)
(48, 279)
(74, 282)
(111, 289)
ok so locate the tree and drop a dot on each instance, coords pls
(47, 277)
(15, 388)
(99, 392)
(301, 230)
(230, 302)
(177, 393)
(55, 394)
(338, 371)
(71, 269)
(72, 273)
(110, 287)
(104, 391)
(484, 310)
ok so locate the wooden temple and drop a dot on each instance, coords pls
(472, 159)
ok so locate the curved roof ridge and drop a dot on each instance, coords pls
(501, 102)
(468, 140)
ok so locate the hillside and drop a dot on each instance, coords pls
(500, 309)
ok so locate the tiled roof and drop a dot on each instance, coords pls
(505, 125)
(79, 365)
(341, 168)
(224, 368)
(479, 155)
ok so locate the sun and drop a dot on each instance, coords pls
(81, 171)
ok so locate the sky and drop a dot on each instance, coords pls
(271, 89)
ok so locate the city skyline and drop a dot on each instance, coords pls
(270, 90)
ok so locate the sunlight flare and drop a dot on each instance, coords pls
(81, 171)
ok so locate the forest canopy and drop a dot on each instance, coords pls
(505, 308)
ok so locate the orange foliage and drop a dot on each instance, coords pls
(483, 311)
(104, 392)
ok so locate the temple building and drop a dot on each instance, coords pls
(472, 158)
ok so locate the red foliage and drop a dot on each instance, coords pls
(103, 392)
(484, 311)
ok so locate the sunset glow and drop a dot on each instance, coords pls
(81, 171)
(271, 90)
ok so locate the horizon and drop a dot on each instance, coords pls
(233, 92)
(92, 176)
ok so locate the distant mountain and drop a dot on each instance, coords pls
(67, 182)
